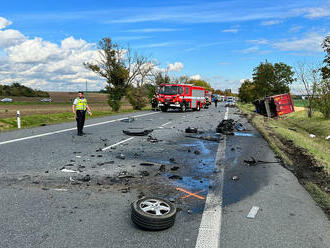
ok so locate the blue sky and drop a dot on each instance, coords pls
(43, 43)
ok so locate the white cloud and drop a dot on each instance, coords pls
(233, 30)
(258, 42)
(151, 30)
(311, 43)
(4, 23)
(10, 37)
(46, 65)
(271, 22)
(252, 49)
(244, 79)
(177, 66)
(196, 77)
(315, 12)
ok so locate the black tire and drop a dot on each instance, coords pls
(150, 219)
(163, 109)
(198, 107)
(183, 107)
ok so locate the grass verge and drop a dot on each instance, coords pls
(47, 119)
(308, 158)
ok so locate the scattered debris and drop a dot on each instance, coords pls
(129, 120)
(175, 168)
(138, 133)
(99, 150)
(175, 177)
(78, 156)
(197, 152)
(144, 173)
(69, 171)
(86, 178)
(171, 199)
(147, 164)
(152, 139)
(235, 178)
(328, 137)
(125, 190)
(191, 130)
(162, 168)
(253, 212)
(254, 162)
(121, 156)
(244, 134)
(226, 127)
(208, 138)
(125, 174)
(172, 160)
(240, 127)
(312, 135)
(141, 195)
(292, 129)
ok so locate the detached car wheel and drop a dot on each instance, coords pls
(152, 213)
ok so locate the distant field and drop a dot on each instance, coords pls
(62, 103)
(300, 103)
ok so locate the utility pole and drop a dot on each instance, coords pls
(86, 89)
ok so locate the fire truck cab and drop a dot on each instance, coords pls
(180, 96)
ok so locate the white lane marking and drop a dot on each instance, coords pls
(226, 114)
(163, 125)
(210, 227)
(253, 212)
(68, 129)
(120, 142)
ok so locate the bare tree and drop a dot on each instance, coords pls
(120, 68)
(309, 76)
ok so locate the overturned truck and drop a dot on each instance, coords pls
(273, 106)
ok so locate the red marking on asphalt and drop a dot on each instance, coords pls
(191, 194)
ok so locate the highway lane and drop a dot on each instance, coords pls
(41, 207)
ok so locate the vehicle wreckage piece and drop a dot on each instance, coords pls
(191, 130)
(153, 213)
(138, 133)
(226, 127)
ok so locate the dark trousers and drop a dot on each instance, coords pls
(216, 103)
(80, 117)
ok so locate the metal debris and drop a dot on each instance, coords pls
(235, 178)
(175, 177)
(147, 164)
(128, 120)
(69, 171)
(138, 133)
(191, 130)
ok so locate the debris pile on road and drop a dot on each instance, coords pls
(254, 162)
(226, 127)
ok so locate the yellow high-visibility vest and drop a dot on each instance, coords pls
(81, 104)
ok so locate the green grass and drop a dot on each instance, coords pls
(31, 103)
(321, 198)
(300, 103)
(40, 119)
(319, 147)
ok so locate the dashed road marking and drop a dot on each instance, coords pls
(118, 143)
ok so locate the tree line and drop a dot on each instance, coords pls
(130, 74)
(17, 89)
(272, 79)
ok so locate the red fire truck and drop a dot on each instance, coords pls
(180, 96)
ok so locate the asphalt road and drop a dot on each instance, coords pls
(42, 206)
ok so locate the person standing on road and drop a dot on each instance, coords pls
(79, 108)
(216, 101)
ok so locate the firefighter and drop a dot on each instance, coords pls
(79, 108)
(216, 101)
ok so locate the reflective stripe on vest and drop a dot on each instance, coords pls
(81, 104)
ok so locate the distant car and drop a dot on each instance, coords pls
(7, 100)
(46, 100)
(230, 103)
